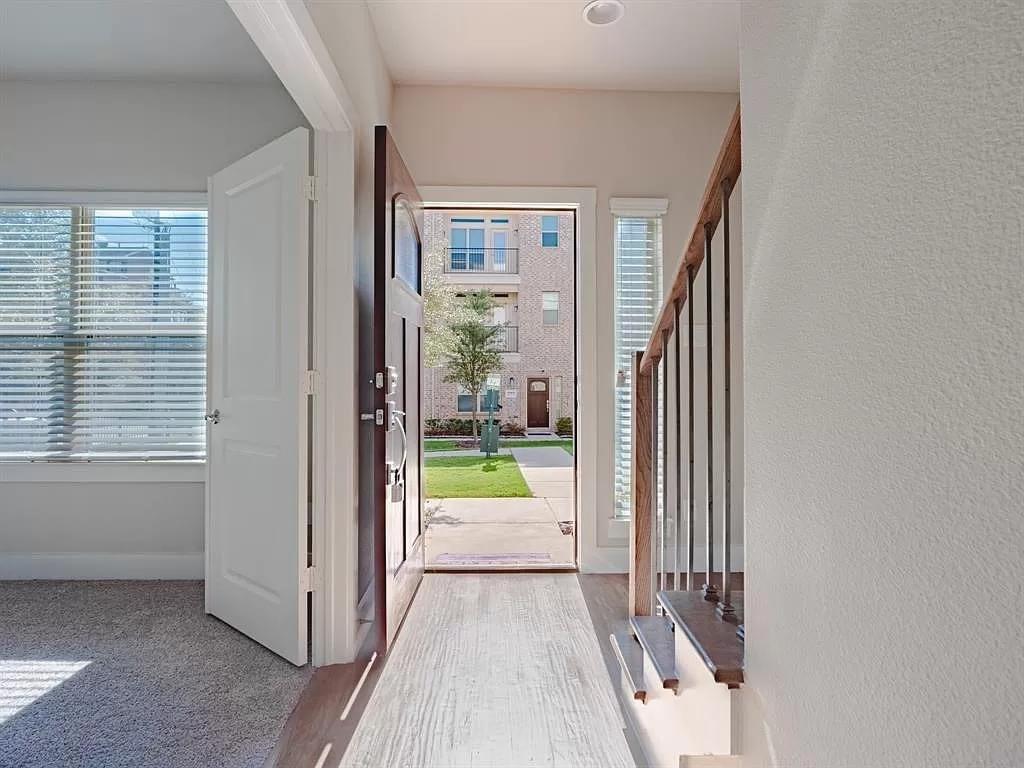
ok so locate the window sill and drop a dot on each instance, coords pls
(103, 472)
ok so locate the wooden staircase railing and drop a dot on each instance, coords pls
(662, 556)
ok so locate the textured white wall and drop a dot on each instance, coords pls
(120, 136)
(883, 200)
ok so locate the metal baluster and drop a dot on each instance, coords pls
(710, 592)
(655, 526)
(691, 501)
(664, 457)
(725, 608)
(676, 574)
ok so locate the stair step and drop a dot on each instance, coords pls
(714, 639)
(655, 635)
(631, 660)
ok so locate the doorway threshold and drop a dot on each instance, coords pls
(509, 568)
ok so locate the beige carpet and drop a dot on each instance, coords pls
(489, 671)
(133, 674)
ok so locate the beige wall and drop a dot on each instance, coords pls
(623, 144)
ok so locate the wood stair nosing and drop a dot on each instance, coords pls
(631, 660)
(656, 639)
(713, 639)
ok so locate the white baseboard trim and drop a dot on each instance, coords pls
(101, 565)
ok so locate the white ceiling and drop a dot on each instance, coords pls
(140, 40)
(659, 45)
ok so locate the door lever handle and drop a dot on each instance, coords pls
(213, 418)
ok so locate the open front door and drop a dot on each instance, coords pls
(397, 344)
(256, 486)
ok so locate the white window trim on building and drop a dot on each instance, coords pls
(545, 230)
(640, 292)
(550, 307)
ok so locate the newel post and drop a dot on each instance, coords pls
(641, 527)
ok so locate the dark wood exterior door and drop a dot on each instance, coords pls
(398, 382)
(536, 403)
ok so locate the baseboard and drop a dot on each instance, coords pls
(101, 565)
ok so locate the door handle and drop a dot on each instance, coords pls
(398, 418)
(213, 418)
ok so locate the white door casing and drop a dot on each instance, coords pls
(256, 489)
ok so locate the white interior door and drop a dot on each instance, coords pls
(256, 487)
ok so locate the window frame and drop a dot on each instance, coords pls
(105, 470)
(544, 310)
(543, 231)
(460, 392)
(622, 430)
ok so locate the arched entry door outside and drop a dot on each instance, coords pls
(537, 403)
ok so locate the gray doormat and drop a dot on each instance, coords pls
(506, 558)
(133, 673)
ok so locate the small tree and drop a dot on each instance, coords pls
(442, 309)
(473, 354)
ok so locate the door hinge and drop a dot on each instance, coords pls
(308, 580)
(312, 383)
(311, 188)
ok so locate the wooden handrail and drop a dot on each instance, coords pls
(727, 166)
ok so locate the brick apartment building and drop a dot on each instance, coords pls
(526, 260)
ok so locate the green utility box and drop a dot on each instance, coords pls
(489, 438)
(489, 431)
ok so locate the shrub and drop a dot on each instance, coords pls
(512, 429)
(450, 427)
(563, 427)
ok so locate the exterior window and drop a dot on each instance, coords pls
(550, 299)
(465, 400)
(549, 231)
(466, 252)
(102, 333)
(637, 301)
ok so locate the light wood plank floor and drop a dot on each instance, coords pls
(493, 670)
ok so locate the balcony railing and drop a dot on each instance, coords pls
(506, 338)
(498, 261)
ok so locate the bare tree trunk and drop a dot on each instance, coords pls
(476, 399)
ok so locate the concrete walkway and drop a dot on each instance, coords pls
(507, 532)
(548, 470)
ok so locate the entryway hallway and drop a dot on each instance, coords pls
(499, 670)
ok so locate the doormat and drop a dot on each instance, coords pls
(509, 558)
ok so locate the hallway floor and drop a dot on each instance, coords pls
(499, 670)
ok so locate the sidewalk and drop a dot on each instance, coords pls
(513, 532)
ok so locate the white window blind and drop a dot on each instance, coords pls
(638, 265)
(102, 333)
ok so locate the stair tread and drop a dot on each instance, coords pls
(631, 660)
(715, 640)
(655, 635)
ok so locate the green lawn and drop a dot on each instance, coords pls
(434, 444)
(474, 477)
(431, 444)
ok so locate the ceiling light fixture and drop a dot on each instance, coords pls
(601, 13)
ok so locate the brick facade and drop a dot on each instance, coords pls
(546, 351)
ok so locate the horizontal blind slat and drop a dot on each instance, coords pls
(102, 333)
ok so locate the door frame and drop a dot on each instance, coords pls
(600, 541)
(547, 400)
(286, 35)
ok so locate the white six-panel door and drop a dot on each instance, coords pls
(256, 491)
